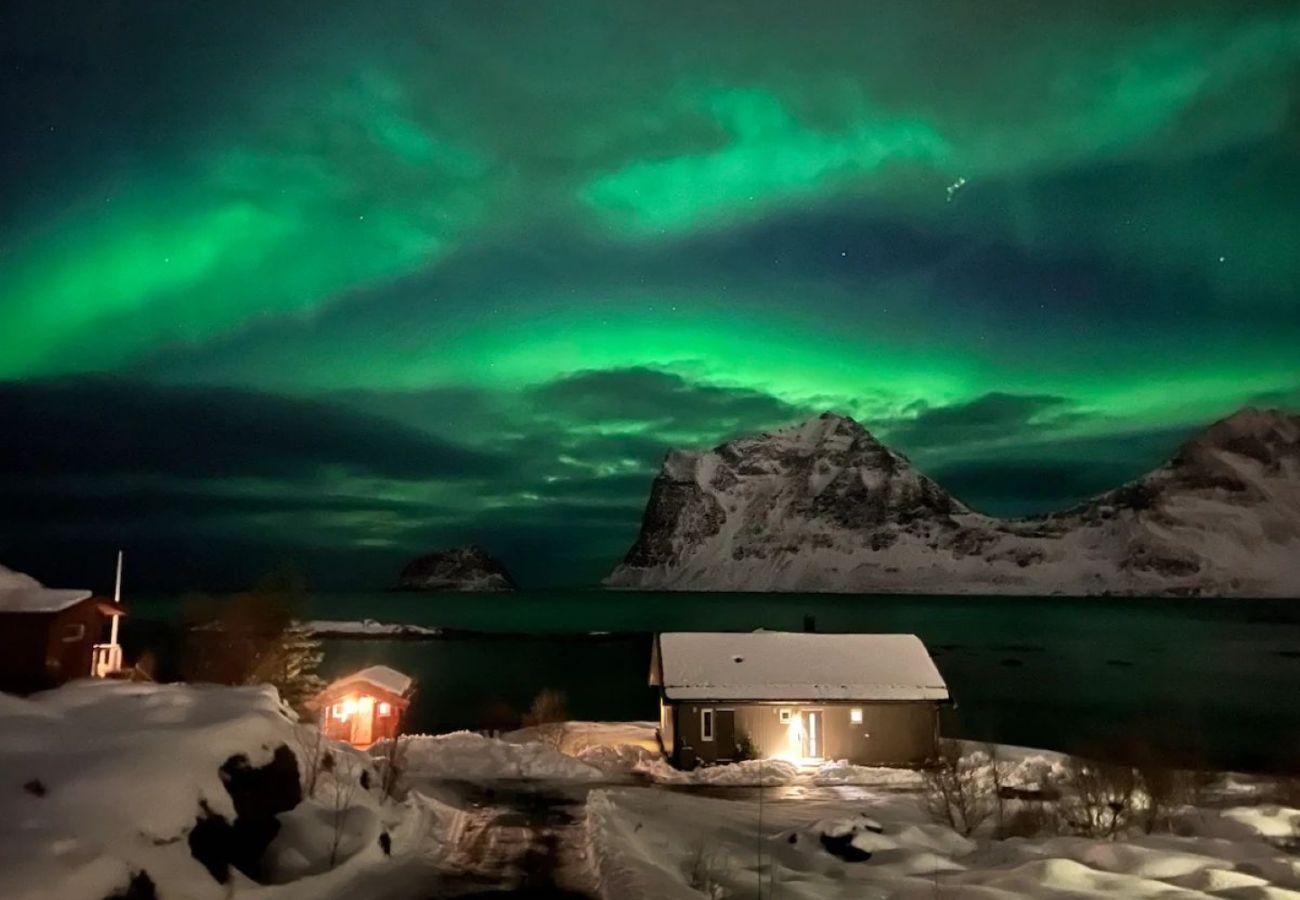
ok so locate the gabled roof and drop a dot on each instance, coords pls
(39, 600)
(778, 665)
(382, 677)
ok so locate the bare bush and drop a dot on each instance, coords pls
(343, 788)
(1030, 818)
(309, 748)
(1165, 792)
(706, 868)
(960, 790)
(548, 714)
(1099, 800)
(391, 766)
(1286, 790)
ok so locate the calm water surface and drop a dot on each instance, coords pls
(1215, 678)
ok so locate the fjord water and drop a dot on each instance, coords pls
(1215, 679)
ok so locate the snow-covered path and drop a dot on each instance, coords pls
(514, 838)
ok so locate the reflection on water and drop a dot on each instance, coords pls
(1217, 678)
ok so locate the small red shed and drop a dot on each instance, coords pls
(51, 636)
(366, 706)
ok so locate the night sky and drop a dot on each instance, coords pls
(335, 283)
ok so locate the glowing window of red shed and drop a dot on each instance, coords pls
(385, 709)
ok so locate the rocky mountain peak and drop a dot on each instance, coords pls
(823, 505)
(466, 568)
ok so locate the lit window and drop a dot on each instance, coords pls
(786, 715)
(706, 724)
(385, 709)
(349, 707)
(337, 710)
(855, 716)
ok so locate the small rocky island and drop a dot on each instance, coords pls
(459, 569)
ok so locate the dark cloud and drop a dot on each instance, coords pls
(666, 400)
(100, 426)
(991, 417)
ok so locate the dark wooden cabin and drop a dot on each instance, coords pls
(870, 699)
(48, 637)
(365, 707)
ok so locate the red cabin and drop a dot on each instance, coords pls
(366, 706)
(50, 636)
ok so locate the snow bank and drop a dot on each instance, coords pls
(100, 780)
(767, 772)
(652, 844)
(466, 756)
(580, 736)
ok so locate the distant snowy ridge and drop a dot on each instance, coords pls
(824, 506)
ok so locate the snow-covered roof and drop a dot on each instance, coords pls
(381, 677)
(21, 593)
(777, 665)
(39, 599)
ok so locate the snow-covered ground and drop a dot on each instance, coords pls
(102, 781)
(655, 845)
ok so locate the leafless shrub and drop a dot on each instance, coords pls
(309, 748)
(1099, 799)
(1165, 792)
(706, 868)
(1030, 818)
(346, 771)
(548, 714)
(959, 789)
(1286, 790)
(391, 766)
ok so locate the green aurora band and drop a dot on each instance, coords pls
(568, 238)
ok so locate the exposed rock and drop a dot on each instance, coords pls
(258, 794)
(140, 887)
(824, 506)
(458, 569)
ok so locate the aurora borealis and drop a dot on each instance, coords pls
(338, 283)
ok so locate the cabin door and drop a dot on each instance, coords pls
(363, 723)
(814, 741)
(724, 733)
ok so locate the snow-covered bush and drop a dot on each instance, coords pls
(962, 789)
(1099, 799)
(547, 715)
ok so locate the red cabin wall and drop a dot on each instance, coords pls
(34, 654)
(341, 729)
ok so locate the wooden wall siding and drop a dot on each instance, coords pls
(667, 731)
(24, 645)
(894, 734)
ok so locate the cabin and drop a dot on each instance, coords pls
(50, 636)
(870, 699)
(365, 707)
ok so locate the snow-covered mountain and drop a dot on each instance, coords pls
(824, 506)
(458, 569)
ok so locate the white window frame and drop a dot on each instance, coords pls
(786, 716)
(855, 715)
(708, 717)
(73, 632)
